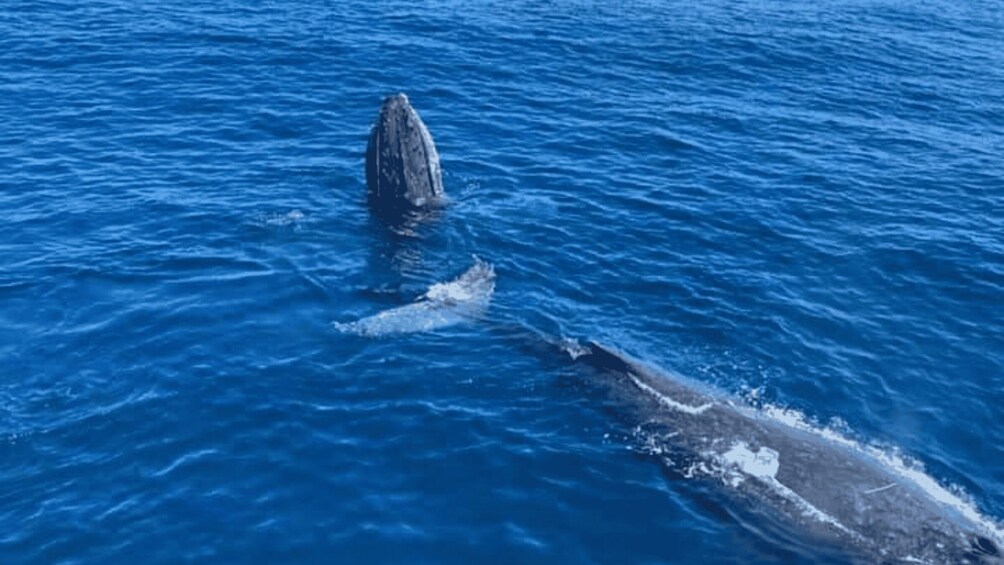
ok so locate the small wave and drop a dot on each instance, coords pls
(293, 218)
(444, 304)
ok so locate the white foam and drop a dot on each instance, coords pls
(763, 465)
(808, 509)
(443, 305)
(289, 218)
(668, 401)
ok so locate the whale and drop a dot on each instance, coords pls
(402, 165)
(823, 486)
(827, 487)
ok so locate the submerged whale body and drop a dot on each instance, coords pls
(832, 488)
(402, 165)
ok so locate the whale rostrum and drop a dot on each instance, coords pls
(402, 165)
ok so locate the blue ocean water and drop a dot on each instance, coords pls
(800, 205)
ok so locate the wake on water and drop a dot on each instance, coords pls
(444, 304)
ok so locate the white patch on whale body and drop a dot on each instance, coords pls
(444, 304)
(763, 466)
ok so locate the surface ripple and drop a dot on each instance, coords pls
(801, 203)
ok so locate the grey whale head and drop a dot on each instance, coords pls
(402, 165)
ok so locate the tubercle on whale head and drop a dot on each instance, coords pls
(399, 99)
(394, 106)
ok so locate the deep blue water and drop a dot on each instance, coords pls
(801, 205)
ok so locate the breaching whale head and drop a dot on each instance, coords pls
(402, 165)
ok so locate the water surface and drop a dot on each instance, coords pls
(800, 205)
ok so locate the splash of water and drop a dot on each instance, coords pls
(443, 304)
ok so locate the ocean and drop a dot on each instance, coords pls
(799, 206)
